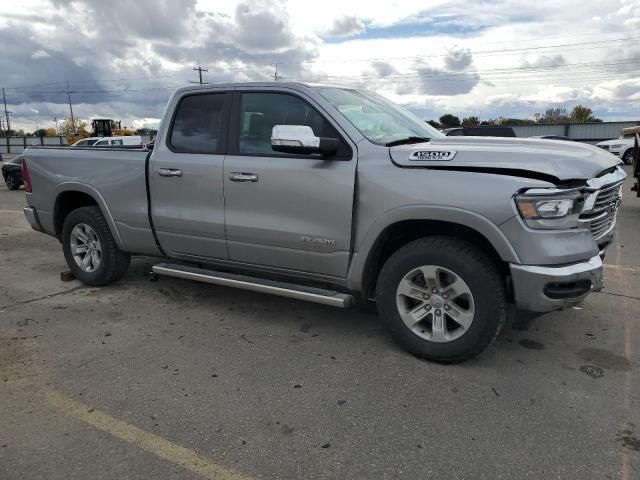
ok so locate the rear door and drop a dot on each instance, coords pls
(290, 212)
(185, 177)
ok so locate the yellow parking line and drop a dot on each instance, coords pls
(10, 211)
(159, 446)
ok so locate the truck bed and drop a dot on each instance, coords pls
(114, 177)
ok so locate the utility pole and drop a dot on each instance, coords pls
(199, 69)
(55, 119)
(73, 122)
(275, 74)
(6, 113)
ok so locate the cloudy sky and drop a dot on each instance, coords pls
(485, 58)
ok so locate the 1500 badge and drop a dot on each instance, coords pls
(441, 155)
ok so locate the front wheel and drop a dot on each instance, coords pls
(441, 299)
(90, 250)
(627, 158)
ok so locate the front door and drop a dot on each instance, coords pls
(292, 212)
(185, 178)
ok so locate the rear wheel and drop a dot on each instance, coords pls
(90, 250)
(627, 158)
(441, 299)
(12, 182)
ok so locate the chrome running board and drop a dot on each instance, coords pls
(282, 289)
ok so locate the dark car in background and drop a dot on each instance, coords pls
(480, 131)
(12, 173)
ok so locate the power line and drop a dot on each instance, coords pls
(480, 53)
(623, 66)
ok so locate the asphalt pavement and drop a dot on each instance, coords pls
(172, 379)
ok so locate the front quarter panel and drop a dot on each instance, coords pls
(388, 194)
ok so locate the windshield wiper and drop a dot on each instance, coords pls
(407, 141)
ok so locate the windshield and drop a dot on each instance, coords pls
(378, 119)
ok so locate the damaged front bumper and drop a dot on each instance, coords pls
(547, 288)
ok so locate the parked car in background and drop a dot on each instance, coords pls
(480, 131)
(554, 137)
(12, 173)
(129, 141)
(85, 142)
(332, 194)
(621, 147)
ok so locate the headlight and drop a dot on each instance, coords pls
(616, 147)
(550, 208)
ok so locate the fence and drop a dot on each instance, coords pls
(583, 132)
(16, 145)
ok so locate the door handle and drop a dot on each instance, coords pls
(243, 177)
(169, 172)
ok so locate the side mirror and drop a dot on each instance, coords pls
(300, 139)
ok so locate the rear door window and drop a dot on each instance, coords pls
(198, 124)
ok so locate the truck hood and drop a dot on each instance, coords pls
(553, 160)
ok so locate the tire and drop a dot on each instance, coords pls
(627, 158)
(111, 263)
(484, 307)
(12, 182)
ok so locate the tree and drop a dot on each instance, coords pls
(146, 131)
(71, 128)
(555, 115)
(448, 120)
(45, 132)
(517, 121)
(470, 122)
(434, 124)
(581, 114)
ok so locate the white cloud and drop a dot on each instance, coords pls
(345, 26)
(39, 54)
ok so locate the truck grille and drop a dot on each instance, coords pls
(601, 218)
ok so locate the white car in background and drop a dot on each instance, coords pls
(133, 140)
(85, 142)
(621, 147)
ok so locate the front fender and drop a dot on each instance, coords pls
(463, 217)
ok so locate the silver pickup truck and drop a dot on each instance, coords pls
(336, 195)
